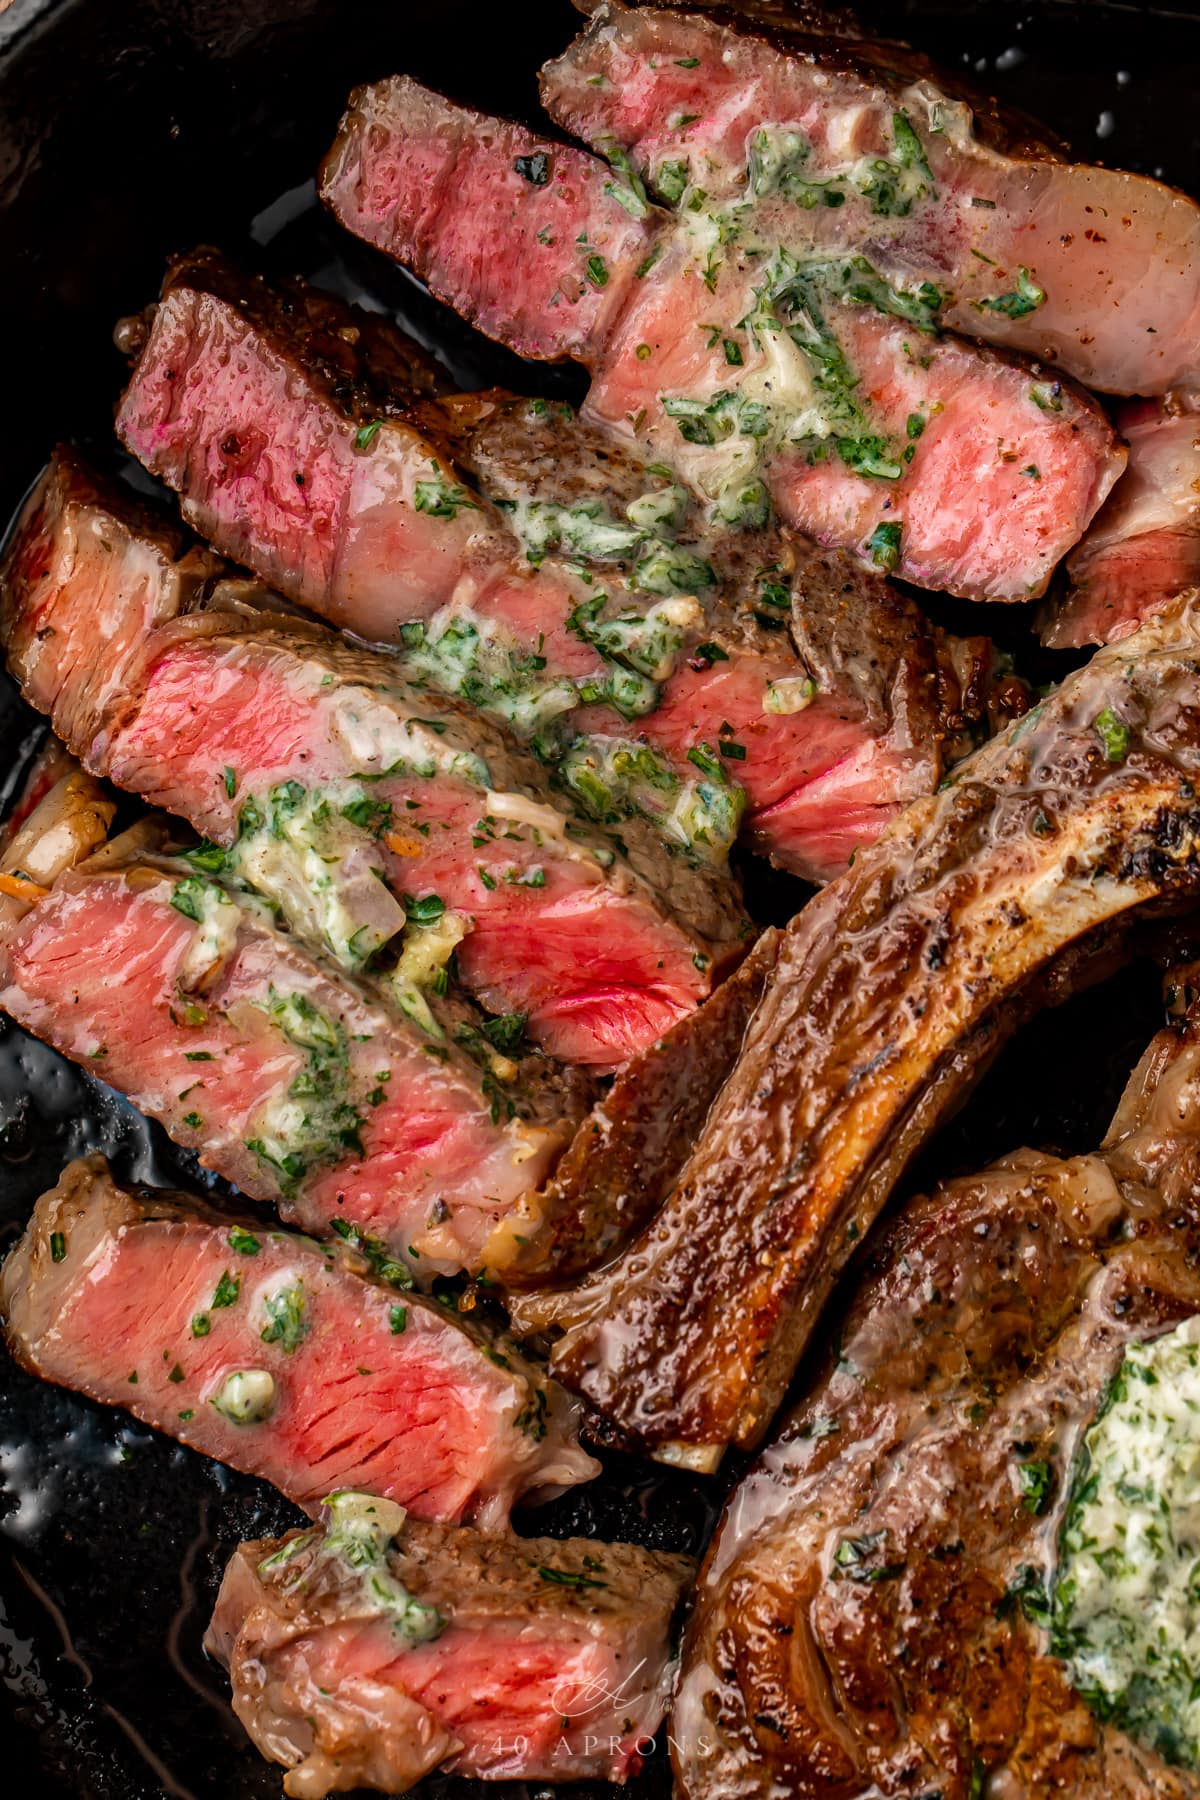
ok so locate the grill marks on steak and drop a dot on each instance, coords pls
(602, 945)
(302, 1087)
(1115, 255)
(553, 1660)
(152, 1303)
(721, 315)
(1144, 547)
(819, 780)
(985, 1327)
(891, 990)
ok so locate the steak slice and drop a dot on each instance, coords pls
(726, 346)
(302, 1086)
(1144, 547)
(1091, 269)
(378, 1648)
(828, 679)
(324, 504)
(316, 766)
(553, 610)
(628, 1151)
(293, 1361)
(872, 1618)
(891, 991)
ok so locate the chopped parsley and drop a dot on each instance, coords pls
(506, 1031)
(374, 1252)
(1113, 734)
(442, 499)
(1025, 298)
(884, 545)
(1035, 1482)
(424, 911)
(227, 1290)
(287, 1321)
(566, 1577)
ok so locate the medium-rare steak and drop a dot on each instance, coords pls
(315, 768)
(378, 1648)
(1144, 547)
(870, 151)
(891, 991)
(299, 1084)
(581, 597)
(295, 1361)
(720, 341)
(628, 1151)
(887, 1607)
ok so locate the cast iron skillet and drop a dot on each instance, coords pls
(132, 128)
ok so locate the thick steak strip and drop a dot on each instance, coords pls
(891, 990)
(872, 1616)
(724, 347)
(301, 1086)
(323, 504)
(233, 717)
(833, 742)
(549, 1659)
(1144, 547)
(159, 1305)
(1116, 256)
(628, 1151)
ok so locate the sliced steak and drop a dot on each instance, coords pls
(379, 1648)
(724, 344)
(875, 154)
(325, 504)
(581, 599)
(1144, 547)
(891, 991)
(295, 1362)
(315, 767)
(873, 1616)
(299, 1084)
(628, 1151)
(820, 672)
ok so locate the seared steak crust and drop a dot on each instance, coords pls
(550, 1659)
(891, 991)
(983, 1332)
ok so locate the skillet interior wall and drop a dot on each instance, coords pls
(138, 127)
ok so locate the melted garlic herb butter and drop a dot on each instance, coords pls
(794, 382)
(354, 1549)
(1127, 1599)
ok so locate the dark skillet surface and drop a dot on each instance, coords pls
(131, 130)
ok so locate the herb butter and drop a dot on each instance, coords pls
(1127, 1596)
